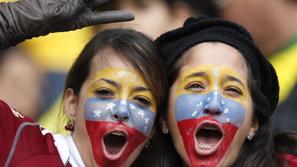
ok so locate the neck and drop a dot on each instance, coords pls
(83, 146)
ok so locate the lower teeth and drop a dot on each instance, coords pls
(204, 146)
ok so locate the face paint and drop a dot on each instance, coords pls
(210, 107)
(117, 119)
(116, 128)
(209, 123)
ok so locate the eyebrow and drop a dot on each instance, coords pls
(196, 74)
(111, 82)
(140, 89)
(231, 78)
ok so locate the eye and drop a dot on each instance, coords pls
(142, 101)
(233, 91)
(104, 93)
(195, 86)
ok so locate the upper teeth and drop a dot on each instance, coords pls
(118, 133)
(209, 128)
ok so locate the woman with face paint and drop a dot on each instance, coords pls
(111, 98)
(222, 94)
(112, 93)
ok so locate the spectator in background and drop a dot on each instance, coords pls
(153, 17)
(21, 82)
(273, 24)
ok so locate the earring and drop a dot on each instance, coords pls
(251, 135)
(147, 145)
(165, 130)
(70, 125)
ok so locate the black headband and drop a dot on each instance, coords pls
(204, 29)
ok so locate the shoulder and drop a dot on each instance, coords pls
(23, 141)
(10, 116)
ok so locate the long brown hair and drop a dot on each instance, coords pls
(133, 47)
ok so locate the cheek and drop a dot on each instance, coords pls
(239, 139)
(80, 118)
(174, 131)
(246, 124)
(247, 121)
(171, 119)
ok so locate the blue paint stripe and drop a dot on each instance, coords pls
(191, 106)
(101, 110)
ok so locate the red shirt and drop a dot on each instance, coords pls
(22, 143)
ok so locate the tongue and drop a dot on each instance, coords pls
(114, 143)
(209, 137)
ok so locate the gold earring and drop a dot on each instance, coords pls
(70, 125)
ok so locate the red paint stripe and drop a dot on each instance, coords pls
(96, 130)
(187, 130)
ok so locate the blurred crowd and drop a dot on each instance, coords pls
(44, 61)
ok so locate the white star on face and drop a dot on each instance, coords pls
(110, 106)
(145, 129)
(223, 102)
(228, 119)
(200, 104)
(194, 113)
(140, 113)
(132, 107)
(124, 102)
(146, 120)
(98, 113)
(226, 110)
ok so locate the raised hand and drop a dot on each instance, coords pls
(26, 19)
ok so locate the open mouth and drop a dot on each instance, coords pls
(114, 143)
(208, 137)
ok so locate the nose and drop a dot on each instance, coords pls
(121, 114)
(214, 104)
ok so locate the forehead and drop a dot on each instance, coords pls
(108, 58)
(216, 54)
(109, 64)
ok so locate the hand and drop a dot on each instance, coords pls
(25, 19)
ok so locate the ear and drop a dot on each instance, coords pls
(255, 124)
(70, 104)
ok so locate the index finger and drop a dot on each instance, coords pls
(108, 17)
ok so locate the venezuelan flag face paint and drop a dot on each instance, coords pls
(119, 114)
(210, 107)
